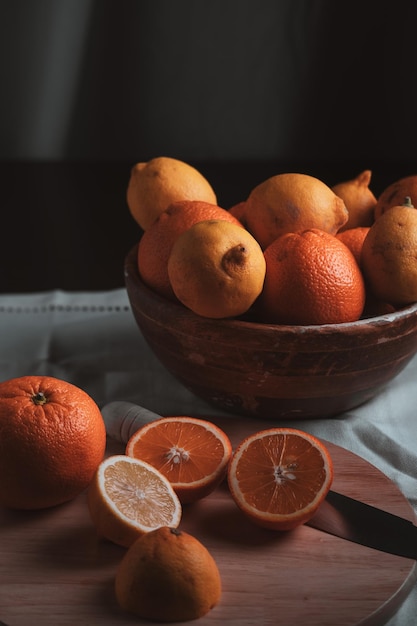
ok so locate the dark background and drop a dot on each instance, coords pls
(240, 89)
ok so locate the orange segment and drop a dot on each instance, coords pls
(128, 498)
(280, 476)
(192, 453)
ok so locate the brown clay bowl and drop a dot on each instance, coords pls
(272, 371)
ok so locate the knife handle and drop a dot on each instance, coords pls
(123, 419)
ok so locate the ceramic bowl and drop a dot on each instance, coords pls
(272, 371)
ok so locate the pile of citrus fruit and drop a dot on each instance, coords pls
(294, 241)
(295, 251)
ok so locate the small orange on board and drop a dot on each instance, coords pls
(168, 576)
(52, 439)
(311, 278)
(156, 242)
(192, 453)
(128, 498)
(279, 477)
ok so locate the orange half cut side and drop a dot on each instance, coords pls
(279, 477)
(192, 453)
(128, 498)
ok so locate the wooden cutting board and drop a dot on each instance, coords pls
(54, 570)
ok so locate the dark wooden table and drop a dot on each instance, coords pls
(66, 225)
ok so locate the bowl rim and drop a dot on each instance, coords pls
(386, 319)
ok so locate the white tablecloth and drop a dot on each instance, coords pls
(91, 340)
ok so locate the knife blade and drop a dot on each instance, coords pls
(356, 521)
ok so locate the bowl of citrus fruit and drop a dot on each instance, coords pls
(298, 302)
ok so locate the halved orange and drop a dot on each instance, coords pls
(279, 477)
(128, 498)
(192, 453)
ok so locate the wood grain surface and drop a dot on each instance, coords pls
(54, 570)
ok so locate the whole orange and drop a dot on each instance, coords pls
(311, 278)
(395, 194)
(359, 200)
(155, 184)
(52, 440)
(389, 259)
(353, 238)
(288, 203)
(238, 211)
(216, 269)
(157, 241)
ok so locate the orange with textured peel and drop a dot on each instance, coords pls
(168, 576)
(157, 241)
(389, 259)
(216, 269)
(359, 200)
(353, 238)
(52, 439)
(311, 278)
(155, 184)
(291, 202)
(394, 194)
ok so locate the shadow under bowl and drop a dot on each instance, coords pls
(273, 371)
